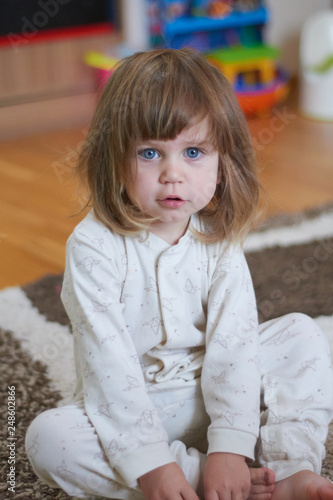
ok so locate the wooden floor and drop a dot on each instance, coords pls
(38, 198)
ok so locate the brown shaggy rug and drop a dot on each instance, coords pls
(291, 260)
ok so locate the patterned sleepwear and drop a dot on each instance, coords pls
(171, 365)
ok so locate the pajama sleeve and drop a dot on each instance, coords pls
(230, 374)
(107, 360)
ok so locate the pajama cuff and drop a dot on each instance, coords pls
(144, 460)
(231, 441)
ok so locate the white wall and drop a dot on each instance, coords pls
(287, 19)
(135, 24)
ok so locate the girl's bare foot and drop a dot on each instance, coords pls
(262, 484)
(304, 485)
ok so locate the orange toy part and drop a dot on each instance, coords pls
(261, 103)
(219, 8)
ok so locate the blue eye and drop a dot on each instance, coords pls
(148, 154)
(193, 152)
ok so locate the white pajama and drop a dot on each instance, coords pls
(169, 360)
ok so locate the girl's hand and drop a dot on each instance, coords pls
(226, 477)
(166, 483)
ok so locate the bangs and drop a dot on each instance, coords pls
(165, 95)
(166, 106)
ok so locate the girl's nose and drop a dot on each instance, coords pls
(171, 171)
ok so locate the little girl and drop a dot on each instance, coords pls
(180, 394)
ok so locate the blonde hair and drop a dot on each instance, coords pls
(156, 95)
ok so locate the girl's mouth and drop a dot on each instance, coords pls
(172, 202)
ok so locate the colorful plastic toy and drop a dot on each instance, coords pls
(258, 85)
(209, 33)
(230, 33)
(236, 62)
(260, 99)
(174, 9)
(219, 8)
(103, 63)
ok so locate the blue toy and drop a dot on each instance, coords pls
(174, 9)
(175, 26)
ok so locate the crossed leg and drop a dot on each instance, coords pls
(297, 408)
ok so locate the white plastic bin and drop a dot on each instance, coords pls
(316, 71)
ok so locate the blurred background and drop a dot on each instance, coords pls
(56, 54)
